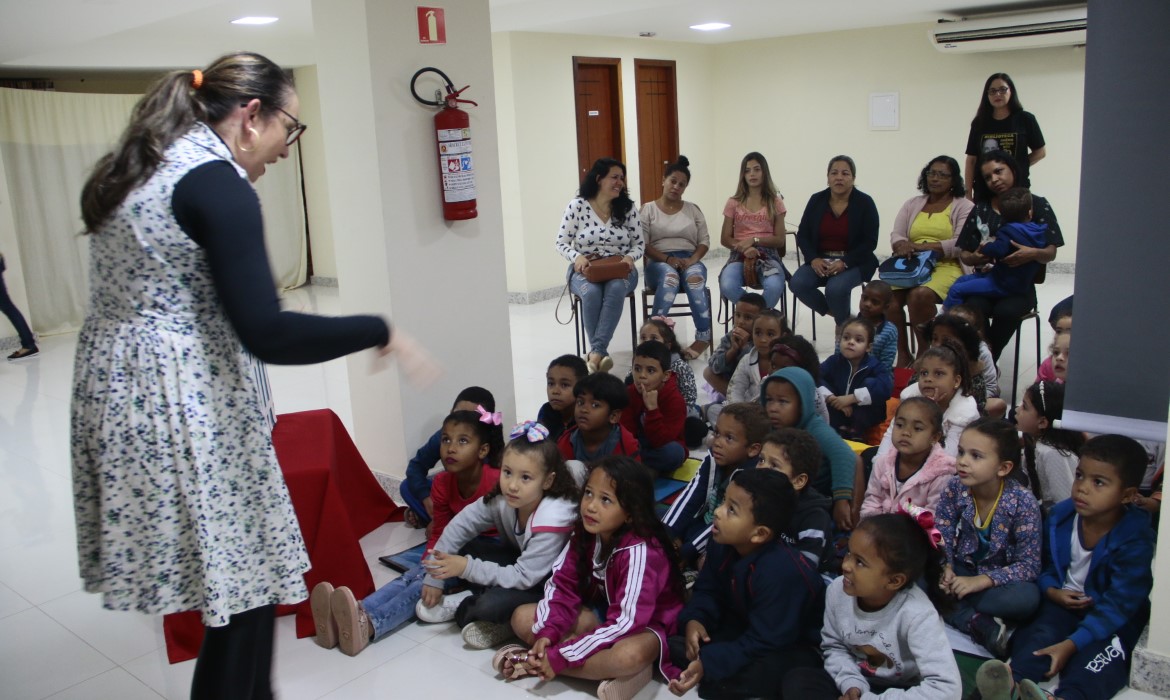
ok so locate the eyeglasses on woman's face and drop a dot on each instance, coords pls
(294, 131)
(998, 91)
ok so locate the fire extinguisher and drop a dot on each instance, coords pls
(453, 142)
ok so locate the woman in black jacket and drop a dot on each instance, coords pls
(838, 234)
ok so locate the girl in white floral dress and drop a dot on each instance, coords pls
(180, 501)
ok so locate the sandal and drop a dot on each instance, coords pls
(411, 519)
(696, 350)
(509, 661)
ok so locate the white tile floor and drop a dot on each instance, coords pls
(57, 642)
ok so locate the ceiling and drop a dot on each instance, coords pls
(158, 34)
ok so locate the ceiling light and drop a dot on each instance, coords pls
(255, 20)
(647, 35)
(710, 26)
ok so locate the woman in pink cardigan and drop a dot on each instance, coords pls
(931, 221)
(918, 468)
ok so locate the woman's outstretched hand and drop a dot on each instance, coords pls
(419, 366)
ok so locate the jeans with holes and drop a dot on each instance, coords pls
(601, 306)
(667, 282)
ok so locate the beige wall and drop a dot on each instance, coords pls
(312, 146)
(798, 100)
(536, 70)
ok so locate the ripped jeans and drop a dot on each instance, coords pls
(666, 283)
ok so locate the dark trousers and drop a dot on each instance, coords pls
(235, 661)
(1003, 317)
(810, 684)
(1014, 602)
(14, 316)
(1100, 670)
(415, 501)
(494, 603)
(760, 678)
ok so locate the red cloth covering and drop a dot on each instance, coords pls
(337, 501)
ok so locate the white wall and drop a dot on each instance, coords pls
(798, 100)
(312, 146)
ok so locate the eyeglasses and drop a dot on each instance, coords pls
(294, 131)
(998, 91)
(939, 174)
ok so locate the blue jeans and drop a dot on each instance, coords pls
(17, 319)
(806, 285)
(601, 306)
(393, 604)
(663, 460)
(666, 282)
(731, 285)
(1014, 602)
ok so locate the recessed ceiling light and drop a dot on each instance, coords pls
(710, 26)
(647, 35)
(255, 20)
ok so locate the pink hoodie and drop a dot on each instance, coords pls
(637, 593)
(922, 489)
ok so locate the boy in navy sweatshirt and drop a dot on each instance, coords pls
(795, 454)
(756, 609)
(1096, 585)
(735, 444)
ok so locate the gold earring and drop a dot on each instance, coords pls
(255, 135)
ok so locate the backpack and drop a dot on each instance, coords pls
(908, 272)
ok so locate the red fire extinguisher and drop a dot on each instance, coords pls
(453, 143)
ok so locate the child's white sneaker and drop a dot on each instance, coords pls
(444, 611)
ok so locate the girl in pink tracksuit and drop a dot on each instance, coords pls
(614, 595)
(918, 467)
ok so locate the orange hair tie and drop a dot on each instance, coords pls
(196, 79)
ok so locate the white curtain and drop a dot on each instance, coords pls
(49, 142)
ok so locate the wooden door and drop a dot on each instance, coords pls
(657, 124)
(597, 85)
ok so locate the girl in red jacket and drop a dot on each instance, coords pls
(614, 595)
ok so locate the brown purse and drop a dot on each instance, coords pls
(606, 269)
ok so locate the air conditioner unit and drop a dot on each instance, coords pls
(1012, 31)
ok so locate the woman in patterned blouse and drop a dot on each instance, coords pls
(601, 222)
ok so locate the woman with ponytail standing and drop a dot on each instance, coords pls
(179, 499)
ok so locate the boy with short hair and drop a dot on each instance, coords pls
(756, 609)
(875, 298)
(795, 454)
(726, 355)
(657, 412)
(1003, 280)
(735, 444)
(1096, 585)
(559, 413)
(789, 397)
(600, 399)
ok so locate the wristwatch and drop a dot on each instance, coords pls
(756, 240)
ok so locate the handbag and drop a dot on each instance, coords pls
(606, 269)
(908, 272)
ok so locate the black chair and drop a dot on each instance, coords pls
(1033, 314)
(579, 325)
(725, 305)
(680, 308)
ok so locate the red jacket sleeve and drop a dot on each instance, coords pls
(441, 499)
(664, 425)
(632, 414)
(556, 613)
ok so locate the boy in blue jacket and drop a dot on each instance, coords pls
(1096, 585)
(789, 397)
(1003, 280)
(855, 384)
(757, 607)
(735, 444)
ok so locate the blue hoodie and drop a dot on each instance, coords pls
(840, 462)
(872, 382)
(1015, 280)
(1120, 576)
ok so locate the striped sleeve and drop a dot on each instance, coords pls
(557, 610)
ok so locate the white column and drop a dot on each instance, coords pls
(442, 281)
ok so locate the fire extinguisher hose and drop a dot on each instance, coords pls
(452, 93)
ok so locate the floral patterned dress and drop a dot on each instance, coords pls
(179, 499)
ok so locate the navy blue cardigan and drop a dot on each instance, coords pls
(863, 230)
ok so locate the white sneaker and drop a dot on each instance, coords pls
(485, 635)
(444, 611)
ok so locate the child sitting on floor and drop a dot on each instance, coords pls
(1061, 322)
(796, 351)
(755, 611)
(882, 636)
(769, 327)
(735, 444)
(917, 469)
(1096, 586)
(731, 347)
(795, 454)
(990, 525)
(944, 377)
(601, 398)
(614, 595)
(470, 443)
(788, 396)
(995, 406)
(661, 328)
(560, 412)
(656, 413)
(416, 487)
(854, 383)
(534, 508)
(1050, 452)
